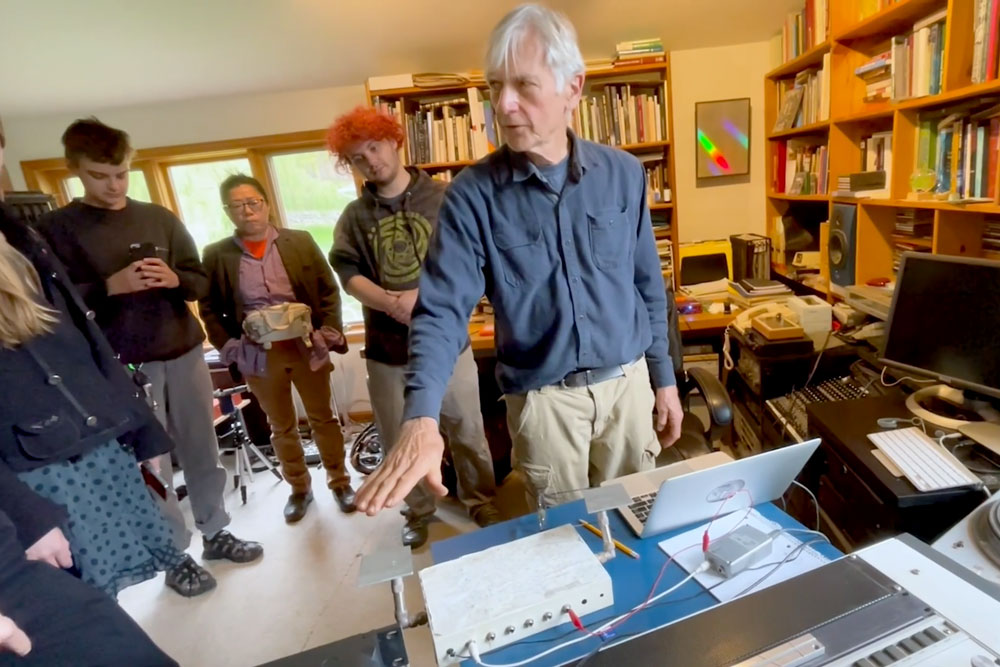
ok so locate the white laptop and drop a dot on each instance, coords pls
(675, 496)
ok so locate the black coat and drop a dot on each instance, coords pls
(311, 277)
(62, 394)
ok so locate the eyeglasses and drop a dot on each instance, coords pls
(253, 205)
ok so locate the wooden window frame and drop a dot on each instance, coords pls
(48, 175)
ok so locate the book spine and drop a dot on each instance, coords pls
(934, 42)
(994, 35)
(994, 149)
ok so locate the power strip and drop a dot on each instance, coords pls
(512, 591)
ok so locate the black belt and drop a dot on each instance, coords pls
(595, 375)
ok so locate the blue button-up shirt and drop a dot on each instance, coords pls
(574, 278)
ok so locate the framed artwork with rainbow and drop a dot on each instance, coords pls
(722, 137)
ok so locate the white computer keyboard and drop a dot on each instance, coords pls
(925, 463)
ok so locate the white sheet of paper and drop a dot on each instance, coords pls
(806, 560)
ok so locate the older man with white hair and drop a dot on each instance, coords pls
(555, 231)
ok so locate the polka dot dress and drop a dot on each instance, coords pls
(116, 533)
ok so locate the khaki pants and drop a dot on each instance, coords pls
(285, 366)
(567, 439)
(461, 420)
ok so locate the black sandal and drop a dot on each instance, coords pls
(190, 579)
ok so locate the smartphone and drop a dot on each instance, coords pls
(146, 250)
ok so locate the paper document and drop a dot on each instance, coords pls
(727, 589)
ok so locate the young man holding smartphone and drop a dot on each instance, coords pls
(137, 267)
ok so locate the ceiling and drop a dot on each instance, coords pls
(75, 55)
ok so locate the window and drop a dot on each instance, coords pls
(311, 193)
(138, 189)
(196, 190)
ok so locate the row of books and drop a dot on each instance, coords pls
(800, 168)
(449, 129)
(639, 52)
(985, 35)
(657, 179)
(957, 152)
(991, 236)
(445, 129)
(805, 99)
(912, 67)
(804, 29)
(620, 114)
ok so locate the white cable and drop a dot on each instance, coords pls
(474, 653)
(905, 377)
(705, 565)
(473, 648)
(727, 361)
(811, 495)
(801, 530)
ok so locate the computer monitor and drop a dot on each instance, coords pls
(945, 321)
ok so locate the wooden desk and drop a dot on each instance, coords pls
(692, 326)
(705, 322)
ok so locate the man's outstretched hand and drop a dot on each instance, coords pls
(416, 456)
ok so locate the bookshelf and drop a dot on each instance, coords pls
(857, 32)
(628, 106)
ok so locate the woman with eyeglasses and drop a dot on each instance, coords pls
(257, 272)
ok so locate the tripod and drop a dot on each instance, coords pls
(243, 446)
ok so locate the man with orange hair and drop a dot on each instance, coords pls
(378, 250)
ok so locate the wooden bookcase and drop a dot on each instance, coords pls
(658, 151)
(852, 40)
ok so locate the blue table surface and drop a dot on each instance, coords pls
(631, 578)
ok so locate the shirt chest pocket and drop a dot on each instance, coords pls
(610, 236)
(521, 250)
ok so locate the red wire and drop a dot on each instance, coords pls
(652, 591)
(705, 538)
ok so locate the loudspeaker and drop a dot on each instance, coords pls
(842, 247)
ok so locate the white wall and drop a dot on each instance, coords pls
(192, 121)
(714, 208)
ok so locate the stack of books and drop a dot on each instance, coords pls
(865, 184)
(750, 292)
(877, 75)
(805, 29)
(991, 236)
(665, 249)
(639, 52)
(916, 223)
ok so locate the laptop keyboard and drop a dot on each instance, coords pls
(641, 505)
